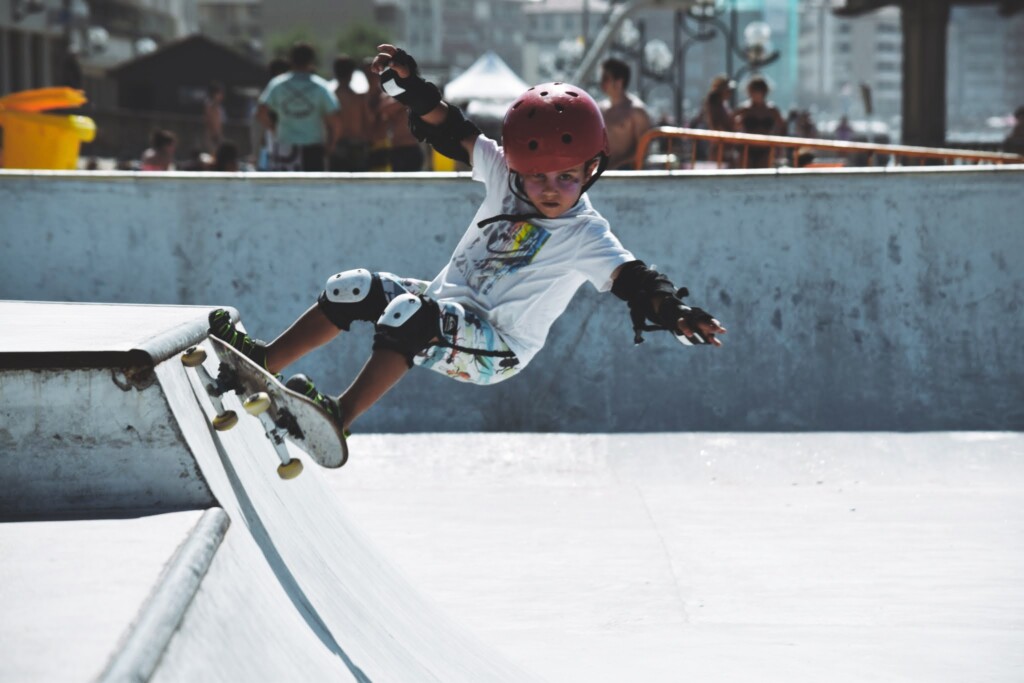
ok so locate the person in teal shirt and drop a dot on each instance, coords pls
(306, 110)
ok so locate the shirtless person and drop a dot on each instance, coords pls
(758, 116)
(351, 153)
(624, 114)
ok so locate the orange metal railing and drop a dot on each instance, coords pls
(743, 142)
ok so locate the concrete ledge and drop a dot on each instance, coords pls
(84, 430)
(51, 334)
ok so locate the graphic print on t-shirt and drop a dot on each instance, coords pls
(500, 249)
(297, 104)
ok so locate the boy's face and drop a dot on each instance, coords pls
(556, 192)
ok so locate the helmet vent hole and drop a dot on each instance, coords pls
(559, 83)
(532, 112)
(559, 108)
(570, 93)
(533, 145)
(567, 139)
(517, 104)
(544, 93)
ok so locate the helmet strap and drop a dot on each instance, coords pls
(602, 166)
(515, 185)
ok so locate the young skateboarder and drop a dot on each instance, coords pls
(533, 242)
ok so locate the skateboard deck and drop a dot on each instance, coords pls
(284, 413)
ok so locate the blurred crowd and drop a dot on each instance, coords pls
(301, 122)
(305, 123)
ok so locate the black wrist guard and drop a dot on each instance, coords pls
(419, 95)
(447, 136)
(640, 287)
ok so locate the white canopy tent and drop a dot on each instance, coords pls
(489, 78)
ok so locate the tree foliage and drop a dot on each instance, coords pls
(281, 43)
(360, 40)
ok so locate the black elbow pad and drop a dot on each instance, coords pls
(638, 285)
(447, 136)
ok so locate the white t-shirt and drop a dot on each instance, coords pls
(520, 276)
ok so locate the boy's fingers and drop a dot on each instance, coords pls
(714, 327)
(707, 330)
(382, 61)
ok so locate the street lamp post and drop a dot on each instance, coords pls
(702, 34)
(707, 15)
(654, 58)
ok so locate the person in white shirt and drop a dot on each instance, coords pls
(534, 241)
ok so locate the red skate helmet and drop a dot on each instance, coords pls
(553, 126)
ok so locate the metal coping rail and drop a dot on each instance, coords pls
(772, 142)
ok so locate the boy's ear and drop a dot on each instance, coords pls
(591, 168)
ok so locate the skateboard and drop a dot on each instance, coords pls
(284, 413)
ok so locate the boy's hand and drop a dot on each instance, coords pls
(705, 328)
(400, 78)
(390, 57)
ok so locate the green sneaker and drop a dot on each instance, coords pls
(222, 328)
(303, 385)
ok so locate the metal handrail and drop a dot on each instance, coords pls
(747, 140)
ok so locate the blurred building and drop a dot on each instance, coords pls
(471, 27)
(417, 25)
(985, 65)
(839, 54)
(74, 42)
(238, 23)
(448, 36)
(555, 35)
(31, 47)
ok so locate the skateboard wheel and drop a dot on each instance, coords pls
(257, 403)
(224, 422)
(290, 470)
(193, 357)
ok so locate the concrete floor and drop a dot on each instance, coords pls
(653, 557)
(713, 557)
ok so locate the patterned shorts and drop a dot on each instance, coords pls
(472, 351)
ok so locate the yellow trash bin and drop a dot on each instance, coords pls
(50, 141)
(441, 162)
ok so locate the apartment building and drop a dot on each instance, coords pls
(985, 65)
(836, 55)
(36, 40)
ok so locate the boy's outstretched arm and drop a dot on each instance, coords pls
(652, 296)
(445, 129)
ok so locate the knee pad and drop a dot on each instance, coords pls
(408, 325)
(352, 295)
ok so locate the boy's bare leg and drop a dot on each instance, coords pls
(311, 331)
(381, 372)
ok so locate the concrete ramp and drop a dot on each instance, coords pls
(296, 590)
(285, 589)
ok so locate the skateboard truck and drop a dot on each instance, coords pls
(257, 404)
